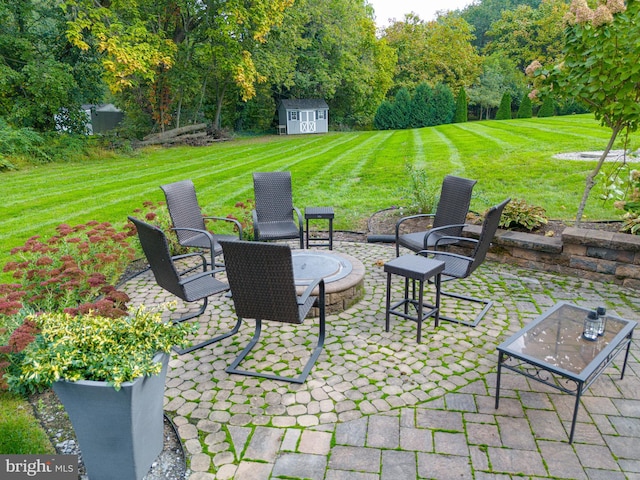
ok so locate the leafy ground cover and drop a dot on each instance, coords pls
(357, 173)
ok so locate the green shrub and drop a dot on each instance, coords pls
(441, 106)
(421, 193)
(548, 108)
(518, 214)
(462, 109)
(419, 105)
(504, 111)
(92, 347)
(525, 110)
(383, 117)
(624, 188)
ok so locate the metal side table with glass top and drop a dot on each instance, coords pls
(553, 350)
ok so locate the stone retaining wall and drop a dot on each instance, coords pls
(594, 254)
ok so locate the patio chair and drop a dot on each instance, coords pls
(263, 288)
(188, 286)
(450, 216)
(460, 266)
(188, 222)
(273, 217)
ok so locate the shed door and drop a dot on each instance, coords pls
(307, 121)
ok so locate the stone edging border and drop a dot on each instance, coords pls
(593, 254)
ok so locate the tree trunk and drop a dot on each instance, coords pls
(590, 182)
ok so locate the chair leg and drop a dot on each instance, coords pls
(487, 305)
(211, 340)
(233, 368)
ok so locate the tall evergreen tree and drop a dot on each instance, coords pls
(420, 105)
(504, 111)
(462, 111)
(548, 108)
(401, 117)
(525, 110)
(442, 105)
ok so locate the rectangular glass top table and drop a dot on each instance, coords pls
(552, 350)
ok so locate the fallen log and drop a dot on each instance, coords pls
(175, 132)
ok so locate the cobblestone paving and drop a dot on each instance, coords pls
(378, 405)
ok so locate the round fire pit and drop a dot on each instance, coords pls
(343, 276)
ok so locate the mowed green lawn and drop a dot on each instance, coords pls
(356, 173)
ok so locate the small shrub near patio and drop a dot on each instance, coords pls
(624, 189)
(421, 193)
(93, 347)
(518, 214)
(73, 272)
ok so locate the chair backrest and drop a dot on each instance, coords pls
(156, 249)
(489, 227)
(273, 196)
(455, 198)
(184, 209)
(260, 276)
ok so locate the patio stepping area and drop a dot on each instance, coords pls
(378, 405)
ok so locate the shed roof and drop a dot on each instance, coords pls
(304, 103)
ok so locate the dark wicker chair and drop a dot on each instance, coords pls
(188, 222)
(450, 216)
(188, 286)
(263, 288)
(460, 266)
(273, 217)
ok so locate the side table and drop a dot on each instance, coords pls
(320, 213)
(420, 269)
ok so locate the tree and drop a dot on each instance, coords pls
(441, 106)
(481, 16)
(548, 108)
(461, 114)
(526, 109)
(420, 106)
(600, 69)
(433, 52)
(526, 33)
(383, 118)
(401, 115)
(499, 76)
(41, 75)
(504, 110)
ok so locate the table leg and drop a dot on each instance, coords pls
(626, 355)
(388, 301)
(331, 234)
(500, 359)
(307, 233)
(420, 308)
(575, 411)
(437, 285)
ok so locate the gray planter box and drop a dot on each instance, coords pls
(120, 433)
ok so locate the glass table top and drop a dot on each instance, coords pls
(555, 338)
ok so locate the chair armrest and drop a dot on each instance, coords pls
(426, 253)
(305, 295)
(411, 217)
(197, 230)
(209, 273)
(458, 239)
(227, 219)
(297, 210)
(444, 228)
(188, 255)
(256, 230)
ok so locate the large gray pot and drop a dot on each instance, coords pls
(120, 433)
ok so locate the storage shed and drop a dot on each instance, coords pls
(102, 118)
(303, 116)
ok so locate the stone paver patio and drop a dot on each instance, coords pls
(378, 405)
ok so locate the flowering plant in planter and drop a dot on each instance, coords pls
(94, 347)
